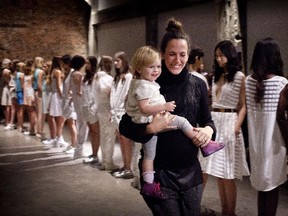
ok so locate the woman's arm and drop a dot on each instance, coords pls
(21, 78)
(206, 130)
(40, 81)
(57, 74)
(241, 108)
(143, 132)
(78, 80)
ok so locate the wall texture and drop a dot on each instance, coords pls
(46, 28)
(268, 18)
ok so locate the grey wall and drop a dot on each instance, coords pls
(268, 18)
(264, 18)
(200, 23)
(124, 36)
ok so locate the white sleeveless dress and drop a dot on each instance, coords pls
(266, 146)
(55, 108)
(230, 162)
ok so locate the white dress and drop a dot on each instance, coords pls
(29, 98)
(266, 145)
(102, 88)
(55, 108)
(68, 106)
(230, 162)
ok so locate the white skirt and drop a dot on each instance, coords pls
(230, 162)
(55, 108)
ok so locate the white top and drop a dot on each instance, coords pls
(118, 97)
(266, 145)
(102, 89)
(140, 90)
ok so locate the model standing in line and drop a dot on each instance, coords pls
(228, 113)
(268, 154)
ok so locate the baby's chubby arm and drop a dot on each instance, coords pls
(148, 109)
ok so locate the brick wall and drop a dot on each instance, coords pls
(46, 28)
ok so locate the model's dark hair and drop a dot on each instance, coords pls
(89, 76)
(195, 52)
(266, 60)
(77, 62)
(229, 51)
(174, 30)
(55, 63)
(66, 59)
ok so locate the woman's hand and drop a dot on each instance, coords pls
(161, 122)
(203, 136)
(237, 129)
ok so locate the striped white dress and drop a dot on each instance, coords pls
(230, 162)
(266, 145)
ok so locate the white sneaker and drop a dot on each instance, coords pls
(49, 141)
(91, 160)
(78, 153)
(61, 142)
(9, 127)
(69, 150)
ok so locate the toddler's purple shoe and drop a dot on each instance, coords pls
(211, 148)
(152, 190)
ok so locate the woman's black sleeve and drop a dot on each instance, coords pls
(133, 131)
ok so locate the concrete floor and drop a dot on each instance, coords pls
(37, 180)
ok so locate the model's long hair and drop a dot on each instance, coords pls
(229, 51)
(90, 74)
(125, 66)
(266, 60)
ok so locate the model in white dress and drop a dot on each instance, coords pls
(268, 153)
(103, 84)
(230, 162)
(266, 148)
(81, 123)
(55, 108)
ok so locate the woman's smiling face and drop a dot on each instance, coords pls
(176, 55)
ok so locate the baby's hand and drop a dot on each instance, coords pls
(170, 106)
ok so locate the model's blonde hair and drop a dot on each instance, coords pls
(143, 56)
(20, 67)
(39, 61)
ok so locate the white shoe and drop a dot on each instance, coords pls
(91, 160)
(61, 142)
(69, 150)
(49, 141)
(78, 153)
(9, 127)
